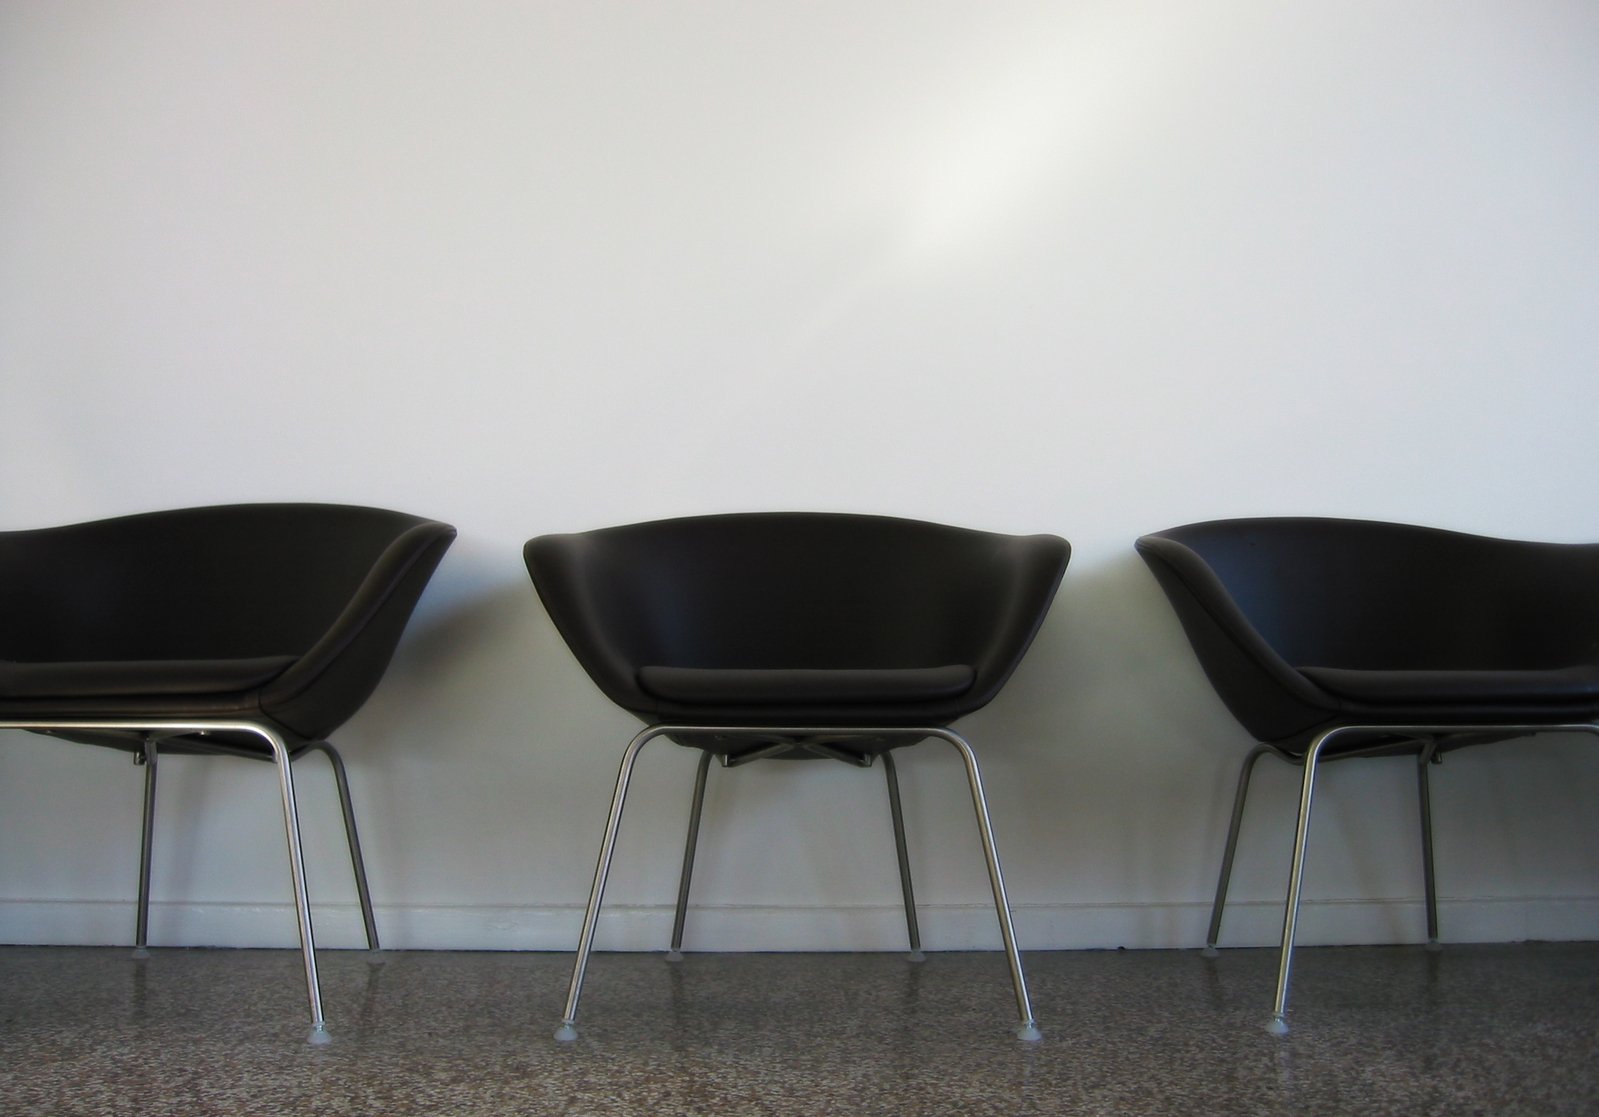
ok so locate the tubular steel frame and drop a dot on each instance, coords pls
(1421, 739)
(794, 738)
(151, 732)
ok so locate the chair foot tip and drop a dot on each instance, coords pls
(319, 1037)
(674, 955)
(1028, 1032)
(916, 956)
(1277, 1026)
(140, 953)
(1434, 946)
(566, 1033)
(1210, 951)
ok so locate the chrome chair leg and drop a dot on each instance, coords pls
(141, 929)
(1429, 877)
(291, 819)
(1278, 1024)
(585, 943)
(302, 903)
(1027, 1028)
(898, 816)
(675, 954)
(353, 838)
(1244, 776)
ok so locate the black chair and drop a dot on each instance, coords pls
(797, 635)
(244, 630)
(1330, 639)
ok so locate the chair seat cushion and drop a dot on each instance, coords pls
(747, 686)
(1477, 688)
(127, 678)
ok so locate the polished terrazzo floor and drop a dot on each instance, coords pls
(1376, 1030)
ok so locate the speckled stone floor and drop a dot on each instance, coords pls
(1376, 1030)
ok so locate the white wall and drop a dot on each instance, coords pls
(1080, 267)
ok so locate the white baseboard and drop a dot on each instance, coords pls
(871, 928)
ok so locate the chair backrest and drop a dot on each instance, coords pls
(1261, 597)
(224, 582)
(329, 585)
(796, 591)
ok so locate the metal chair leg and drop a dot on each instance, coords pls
(568, 1027)
(1278, 1024)
(141, 929)
(675, 954)
(1027, 1028)
(281, 758)
(898, 816)
(302, 904)
(1244, 776)
(352, 837)
(1429, 878)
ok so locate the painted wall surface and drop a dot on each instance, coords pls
(1083, 267)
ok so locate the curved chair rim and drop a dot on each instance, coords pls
(290, 693)
(736, 694)
(1239, 659)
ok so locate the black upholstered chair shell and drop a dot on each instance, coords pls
(797, 635)
(242, 630)
(1331, 638)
